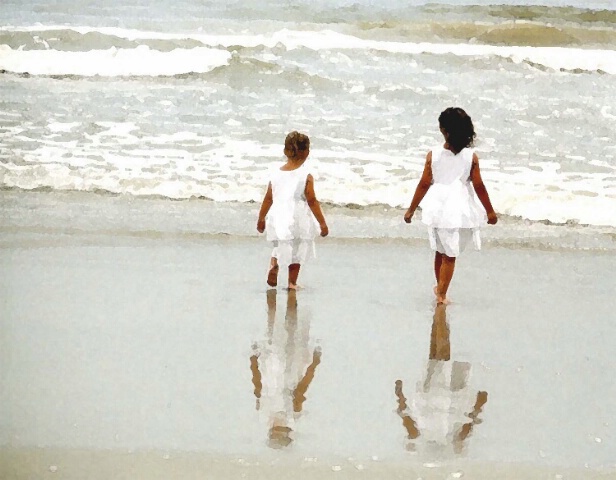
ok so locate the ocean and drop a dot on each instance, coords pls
(192, 100)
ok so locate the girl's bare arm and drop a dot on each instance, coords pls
(422, 188)
(407, 421)
(299, 394)
(256, 375)
(314, 205)
(481, 191)
(268, 200)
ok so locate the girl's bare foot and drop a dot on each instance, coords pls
(272, 276)
(440, 298)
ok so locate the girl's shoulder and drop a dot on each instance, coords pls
(274, 170)
(469, 153)
(436, 152)
(308, 169)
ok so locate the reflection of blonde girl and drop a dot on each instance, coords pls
(442, 411)
(282, 370)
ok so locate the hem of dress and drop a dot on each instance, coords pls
(453, 244)
(289, 252)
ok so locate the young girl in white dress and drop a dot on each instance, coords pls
(457, 202)
(290, 212)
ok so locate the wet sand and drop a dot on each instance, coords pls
(131, 357)
(72, 464)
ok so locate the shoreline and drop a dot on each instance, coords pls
(85, 213)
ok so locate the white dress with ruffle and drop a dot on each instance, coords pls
(290, 224)
(451, 209)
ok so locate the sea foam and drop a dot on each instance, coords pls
(140, 61)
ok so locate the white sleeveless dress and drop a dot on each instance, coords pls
(451, 209)
(290, 224)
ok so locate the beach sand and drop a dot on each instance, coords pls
(138, 356)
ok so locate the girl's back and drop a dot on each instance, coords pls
(451, 201)
(288, 185)
(290, 217)
(448, 167)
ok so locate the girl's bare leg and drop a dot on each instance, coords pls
(272, 274)
(440, 347)
(293, 274)
(448, 265)
(438, 260)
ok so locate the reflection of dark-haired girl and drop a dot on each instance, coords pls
(443, 410)
(282, 370)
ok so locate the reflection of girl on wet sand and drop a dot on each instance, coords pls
(282, 370)
(442, 411)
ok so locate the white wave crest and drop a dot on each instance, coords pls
(556, 58)
(114, 62)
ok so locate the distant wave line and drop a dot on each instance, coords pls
(504, 33)
(144, 61)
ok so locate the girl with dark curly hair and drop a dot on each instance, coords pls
(458, 202)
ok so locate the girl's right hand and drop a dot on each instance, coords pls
(408, 215)
(492, 218)
(324, 230)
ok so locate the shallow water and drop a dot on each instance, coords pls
(148, 346)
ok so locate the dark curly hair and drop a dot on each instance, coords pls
(459, 127)
(294, 143)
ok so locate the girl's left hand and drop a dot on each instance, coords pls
(408, 215)
(260, 226)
